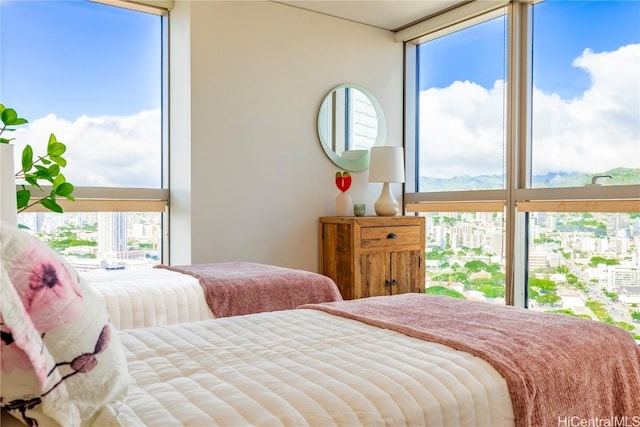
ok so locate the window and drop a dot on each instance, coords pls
(106, 240)
(586, 93)
(94, 75)
(465, 255)
(586, 264)
(460, 109)
(571, 118)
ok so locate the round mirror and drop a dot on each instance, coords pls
(350, 122)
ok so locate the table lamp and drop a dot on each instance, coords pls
(386, 165)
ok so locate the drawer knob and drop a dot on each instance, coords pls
(392, 236)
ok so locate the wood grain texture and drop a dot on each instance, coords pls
(373, 256)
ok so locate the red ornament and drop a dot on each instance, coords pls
(343, 181)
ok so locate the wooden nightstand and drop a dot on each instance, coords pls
(373, 256)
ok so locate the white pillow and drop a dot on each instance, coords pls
(61, 359)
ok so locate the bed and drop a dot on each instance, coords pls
(176, 294)
(150, 297)
(409, 359)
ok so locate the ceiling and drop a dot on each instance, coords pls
(390, 15)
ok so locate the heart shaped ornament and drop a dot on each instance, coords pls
(343, 181)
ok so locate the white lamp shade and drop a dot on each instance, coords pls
(386, 164)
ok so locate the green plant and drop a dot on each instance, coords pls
(41, 169)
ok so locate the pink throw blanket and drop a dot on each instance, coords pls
(560, 370)
(235, 288)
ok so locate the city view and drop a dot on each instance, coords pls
(580, 264)
(100, 240)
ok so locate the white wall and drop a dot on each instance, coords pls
(257, 179)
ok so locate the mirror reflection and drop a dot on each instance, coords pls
(350, 122)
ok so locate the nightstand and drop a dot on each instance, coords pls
(373, 256)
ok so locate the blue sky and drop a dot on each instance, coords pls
(97, 68)
(56, 59)
(75, 58)
(585, 94)
(562, 33)
(562, 29)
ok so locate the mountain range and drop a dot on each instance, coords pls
(620, 176)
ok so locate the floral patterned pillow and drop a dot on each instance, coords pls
(60, 358)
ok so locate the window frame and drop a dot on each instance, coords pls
(129, 199)
(518, 198)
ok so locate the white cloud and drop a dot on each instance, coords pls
(594, 132)
(122, 151)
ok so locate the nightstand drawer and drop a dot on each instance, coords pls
(380, 237)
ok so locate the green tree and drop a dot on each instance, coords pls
(441, 290)
(611, 295)
(626, 326)
(548, 299)
(544, 285)
(596, 260)
(494, 267)
(476, 266)
(569, 312)
(491, 291)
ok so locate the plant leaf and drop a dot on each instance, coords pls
(22, 198)
(51, 205)
(54, 170)
(58, 180)
(56, 149)
(8, 115)
(27, 158)
(65, 189)
(59, 160)
(5, 140)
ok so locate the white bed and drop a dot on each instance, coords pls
(151, 297)
(402, 360)
(304, 368)
(177, 294)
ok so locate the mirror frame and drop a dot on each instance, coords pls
(360, 163)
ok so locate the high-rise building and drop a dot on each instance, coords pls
(112, 234)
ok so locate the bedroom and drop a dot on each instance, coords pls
(267, 201)
(257, 205)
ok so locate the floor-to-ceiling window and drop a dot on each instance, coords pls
(532, 150)
(93, 75)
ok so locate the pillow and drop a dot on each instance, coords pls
(61, 360)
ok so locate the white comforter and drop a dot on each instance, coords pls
(304, 368)
(152, 297)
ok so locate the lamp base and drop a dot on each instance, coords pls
(387, 205)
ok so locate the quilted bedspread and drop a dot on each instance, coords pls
(304, 368)
(557, 367)
(151, 297)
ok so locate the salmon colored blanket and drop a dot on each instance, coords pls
(235, 288)
(560, 370)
